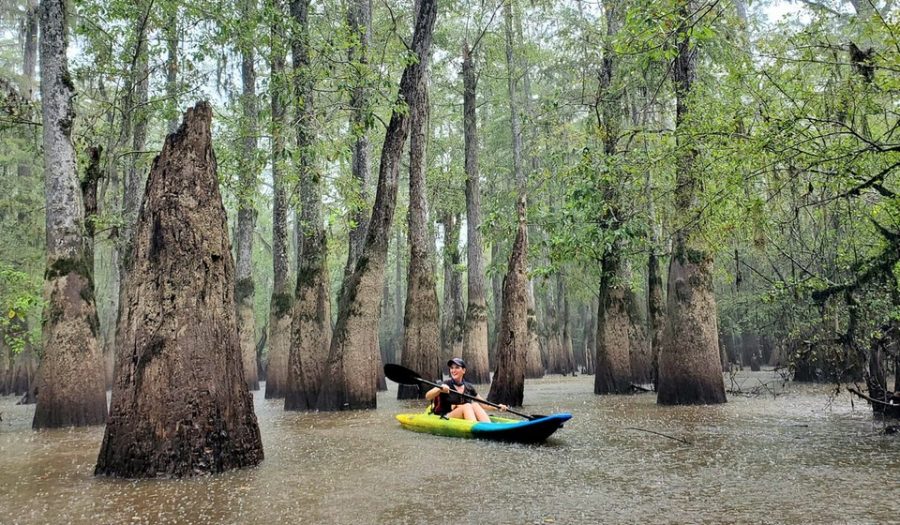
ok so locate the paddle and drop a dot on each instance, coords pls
(405, 376)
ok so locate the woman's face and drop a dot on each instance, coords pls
(457, 372)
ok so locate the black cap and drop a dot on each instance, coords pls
(457, 361)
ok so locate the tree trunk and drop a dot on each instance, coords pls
(70, 383)
(399, 299)
(614, 372)
(562, 297)
(281, 303)
(475, 345)
(351, 369)
(552, 343)
(590, 337)
(454, 315)
(656, 305)
(639, 342)
(246, 215)
(311, 327)
(508, 384)
(534, 363)
(421, 319)
(29, 63)
(497, 293)
(613, 362)
(359, 20)
(6, 360)
(689, 367)
(134, 128)
(180, 405)
(171, 35)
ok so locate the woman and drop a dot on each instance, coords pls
(447, 401)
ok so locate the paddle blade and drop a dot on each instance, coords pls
(402, 375)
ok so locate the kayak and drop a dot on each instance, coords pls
(499, 429)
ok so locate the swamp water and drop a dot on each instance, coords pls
(794, 453)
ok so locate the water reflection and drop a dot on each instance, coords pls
(795, 457)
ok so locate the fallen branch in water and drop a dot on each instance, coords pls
(869, 399)
(659, 434)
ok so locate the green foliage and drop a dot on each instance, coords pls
(20, 300)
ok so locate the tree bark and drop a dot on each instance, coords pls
(568, 353)
(508, 384)
(70, 380)
(281, 303)
(359, 20)
(351, 368)
(614, 374)
(399, 299)
(590, 337)
(171, 36)
(454, 313)
(421, 318)
(639, 342)
(534, 363)
(311, 327)
(656, 305)
(689, 367)
(134, 128)
(246, 216)
(180, 405)
(497, 294)
(475, 345)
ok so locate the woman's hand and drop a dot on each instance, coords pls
(445, 389)
(502, 408)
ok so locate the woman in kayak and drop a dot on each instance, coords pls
(447, 401)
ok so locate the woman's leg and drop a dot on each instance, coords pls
(463, 412)
(480, 412)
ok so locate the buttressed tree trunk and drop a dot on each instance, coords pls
(475, 341)
(246, 216)
(351, 369)
(689, 367)
(613, 343)
(508, 384)
(311, 326)
(281, 303)
(71, 386)
(421, 318)
(180, 405)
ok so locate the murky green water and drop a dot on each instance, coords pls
(798, 457)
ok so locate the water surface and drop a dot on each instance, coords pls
(791, 454)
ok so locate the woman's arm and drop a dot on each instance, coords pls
(436, 391)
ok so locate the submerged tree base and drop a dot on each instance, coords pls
(180, 403)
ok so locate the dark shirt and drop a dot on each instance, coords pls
(443, 403)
